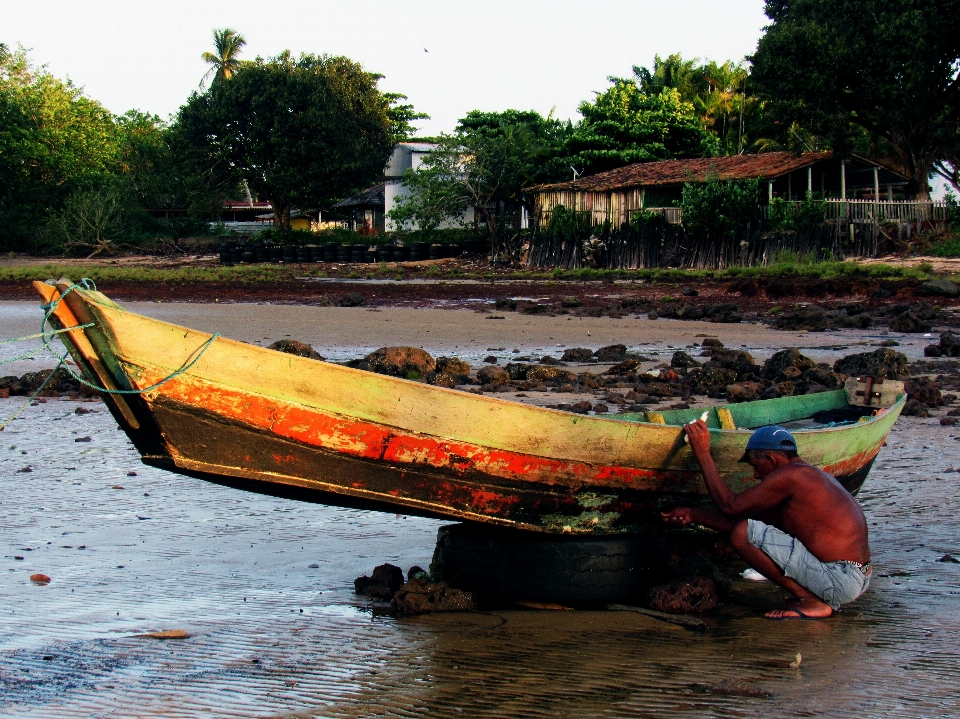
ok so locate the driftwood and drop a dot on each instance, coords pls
(691, 623)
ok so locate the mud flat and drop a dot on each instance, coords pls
(264, 586)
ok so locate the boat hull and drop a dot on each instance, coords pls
(277, 423)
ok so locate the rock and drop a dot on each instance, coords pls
(949, 421)
(889, 343)
(386, 580)
(944, 288)
(712, 343)
(570, 302)
(543, 373)
(950, 344)
(859, 321)
(697, 595)
(652, 315)
(949, 558)
(824, 377)
(775, 367)
(611, 353)
(668, 375)
(932, 351)
(408, 362)
(41, 579)
(505, 303)
(517, 370)
(535, 309)
(493, 375)
(909, 322)
(744, 392)
(688, 292)
(925, 390)
(625, 367)
(688, 311)
(681, 360)
(577, 354)
(883, 363)
(452, 365)
(581, 407)
(915, 408)
(780, 389)
(490, 359)
(725, 313)
(421, 596)
(740, 362)
(924, 310)
(551, 361)
(441, 379)
(811, 318)
(351, 299)
(710, 376)
(295, 348)
(416, 572)
(601, 408)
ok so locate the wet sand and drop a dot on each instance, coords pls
(156, 551)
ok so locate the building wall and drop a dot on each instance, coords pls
(409, 156)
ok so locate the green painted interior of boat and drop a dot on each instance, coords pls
(750, 415)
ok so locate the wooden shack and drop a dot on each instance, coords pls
(616, 195)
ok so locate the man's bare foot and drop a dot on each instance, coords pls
(802, 609)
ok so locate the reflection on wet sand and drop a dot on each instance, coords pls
(155, 551)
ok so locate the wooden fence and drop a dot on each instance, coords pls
(662, 245)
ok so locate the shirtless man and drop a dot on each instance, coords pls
(798, 527)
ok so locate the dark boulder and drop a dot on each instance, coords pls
(623, 368)
(517, 370)
(421, 596)
(505, 303)
(883, 363)
(697, 595)
(687, 311)
(493, 375)
(724, 313)
(688, 292)
(740, 362)
(295, 348)
(943, 288)
(708, 375)
(577, 354)
(681, 360)
(924, 389)
(909, 322)
(570, 302)
(452, 365)
(408, 362)
(386, 580)
(775, 367)
(543, 373)
(744, 392)
(811, 318)
(611, 353)
(351, 299)
(915, 408)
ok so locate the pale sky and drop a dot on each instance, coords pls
(481, 54)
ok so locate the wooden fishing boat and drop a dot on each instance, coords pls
(277, 423)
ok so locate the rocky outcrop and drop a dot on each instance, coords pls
(294, 347)
(409, 362)
(883, 363)
(421, 596)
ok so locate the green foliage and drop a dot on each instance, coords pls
(949, 247)
(719, 206)
(402, 116)
(568, 225)
(887, 68)
(53, 140)
(224, 61)
(953, 211)
(625, 125)
(717, 91)
(785, 215)
(303, 132)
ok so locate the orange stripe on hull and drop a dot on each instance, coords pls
(368, 440)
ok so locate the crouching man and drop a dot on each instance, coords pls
(798, 527)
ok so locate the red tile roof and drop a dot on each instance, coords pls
(768, 165)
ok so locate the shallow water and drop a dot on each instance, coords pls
(156, 551)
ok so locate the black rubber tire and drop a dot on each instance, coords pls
(528, 566)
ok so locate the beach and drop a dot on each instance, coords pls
(263, 586)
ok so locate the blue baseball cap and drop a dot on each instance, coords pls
(773, 437)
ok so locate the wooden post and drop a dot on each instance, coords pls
(770, 191)
(810, 181)
(843, 179)
(876, 183)
(889, 193)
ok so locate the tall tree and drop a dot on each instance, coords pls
(624, 125)
(53, 140)
(304, 132)
(887, 67)
(224, 61)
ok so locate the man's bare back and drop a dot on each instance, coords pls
(798, 526)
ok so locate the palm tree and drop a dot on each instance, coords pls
(223, 63)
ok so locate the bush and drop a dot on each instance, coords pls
(720, 207)
(786, 215)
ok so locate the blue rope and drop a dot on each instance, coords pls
(46, 336)
(89, 284)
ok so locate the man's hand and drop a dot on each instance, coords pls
(699, 436)
(679, 517)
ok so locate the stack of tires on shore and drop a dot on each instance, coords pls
(235, 253)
